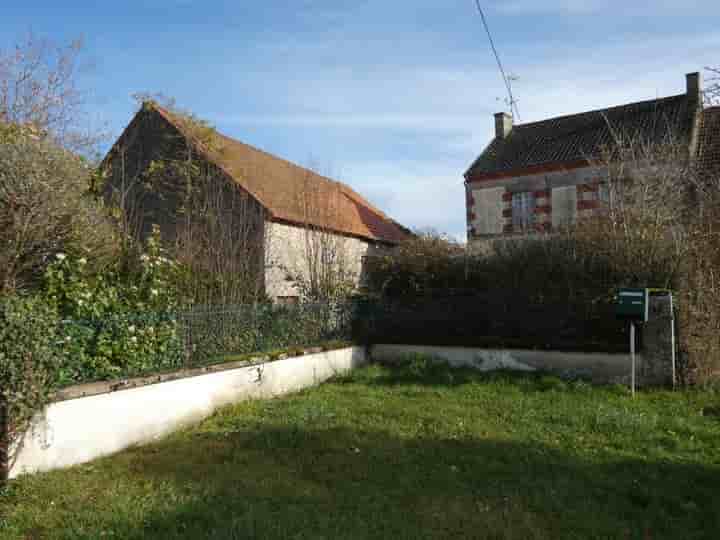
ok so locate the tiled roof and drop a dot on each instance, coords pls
(709, 142)
(581, 136)
(295, 194)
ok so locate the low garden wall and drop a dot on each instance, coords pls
(599, 367)
(89, 421)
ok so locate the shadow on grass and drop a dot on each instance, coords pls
(344, 483)
(425, 372)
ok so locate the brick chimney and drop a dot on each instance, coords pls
(694, 88)
(503, 124)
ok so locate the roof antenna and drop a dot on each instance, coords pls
(510, 101)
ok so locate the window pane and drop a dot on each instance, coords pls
(523, 210)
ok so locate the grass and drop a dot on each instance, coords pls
(409, 453)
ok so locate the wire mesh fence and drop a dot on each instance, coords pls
(135, 344)
(218, 333)
(128, 345)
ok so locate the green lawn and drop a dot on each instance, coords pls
(407, 453)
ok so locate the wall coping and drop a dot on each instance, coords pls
(509, 350)
(117, 385)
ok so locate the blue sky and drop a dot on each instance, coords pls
(394, 98)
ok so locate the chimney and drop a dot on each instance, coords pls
(694, 88)
(503, 124)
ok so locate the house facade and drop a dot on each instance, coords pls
(285, 223)
(534, 178)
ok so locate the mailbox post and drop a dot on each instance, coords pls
(633, 305)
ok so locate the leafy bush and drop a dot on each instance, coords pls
(30, 359)
(116, 322)
(535, 295)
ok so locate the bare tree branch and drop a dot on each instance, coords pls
(712, 87)
(38, 87)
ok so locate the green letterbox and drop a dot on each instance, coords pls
(632, 304)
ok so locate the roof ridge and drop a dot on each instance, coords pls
(355, 194)
(600, 110)
(216, 157)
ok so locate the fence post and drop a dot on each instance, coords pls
(4, 443)
(658, 343)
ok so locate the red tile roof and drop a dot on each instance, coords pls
(294, 194)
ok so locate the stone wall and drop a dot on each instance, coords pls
(657, 367)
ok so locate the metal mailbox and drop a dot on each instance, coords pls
(632, 304)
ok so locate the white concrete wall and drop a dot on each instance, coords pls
(600, 367)
(286, 252)
(79, 430)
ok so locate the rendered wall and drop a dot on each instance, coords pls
(79, 430)
(599, 367)
(287, 253)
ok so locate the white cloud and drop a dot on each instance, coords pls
(448, 110)
(417, 194)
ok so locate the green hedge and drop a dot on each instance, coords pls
(31, 356)
(493, 321)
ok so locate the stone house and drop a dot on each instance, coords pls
(533, 178)
(293, 217)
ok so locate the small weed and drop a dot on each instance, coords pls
(551, 383)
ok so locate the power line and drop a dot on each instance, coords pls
(513, 103)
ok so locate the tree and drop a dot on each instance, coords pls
(39, 88)
(661, 229)
(712, 88)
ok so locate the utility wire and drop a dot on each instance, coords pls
(513, 103)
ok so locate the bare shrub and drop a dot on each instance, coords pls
(45, 208)
(323, 268)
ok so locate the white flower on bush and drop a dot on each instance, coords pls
(131, 329)
(68, 338)
(82, 261)
(151, 330)
(60, 256)
(154, 292)
(80, 303)
(133, 339)
(144, 257)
